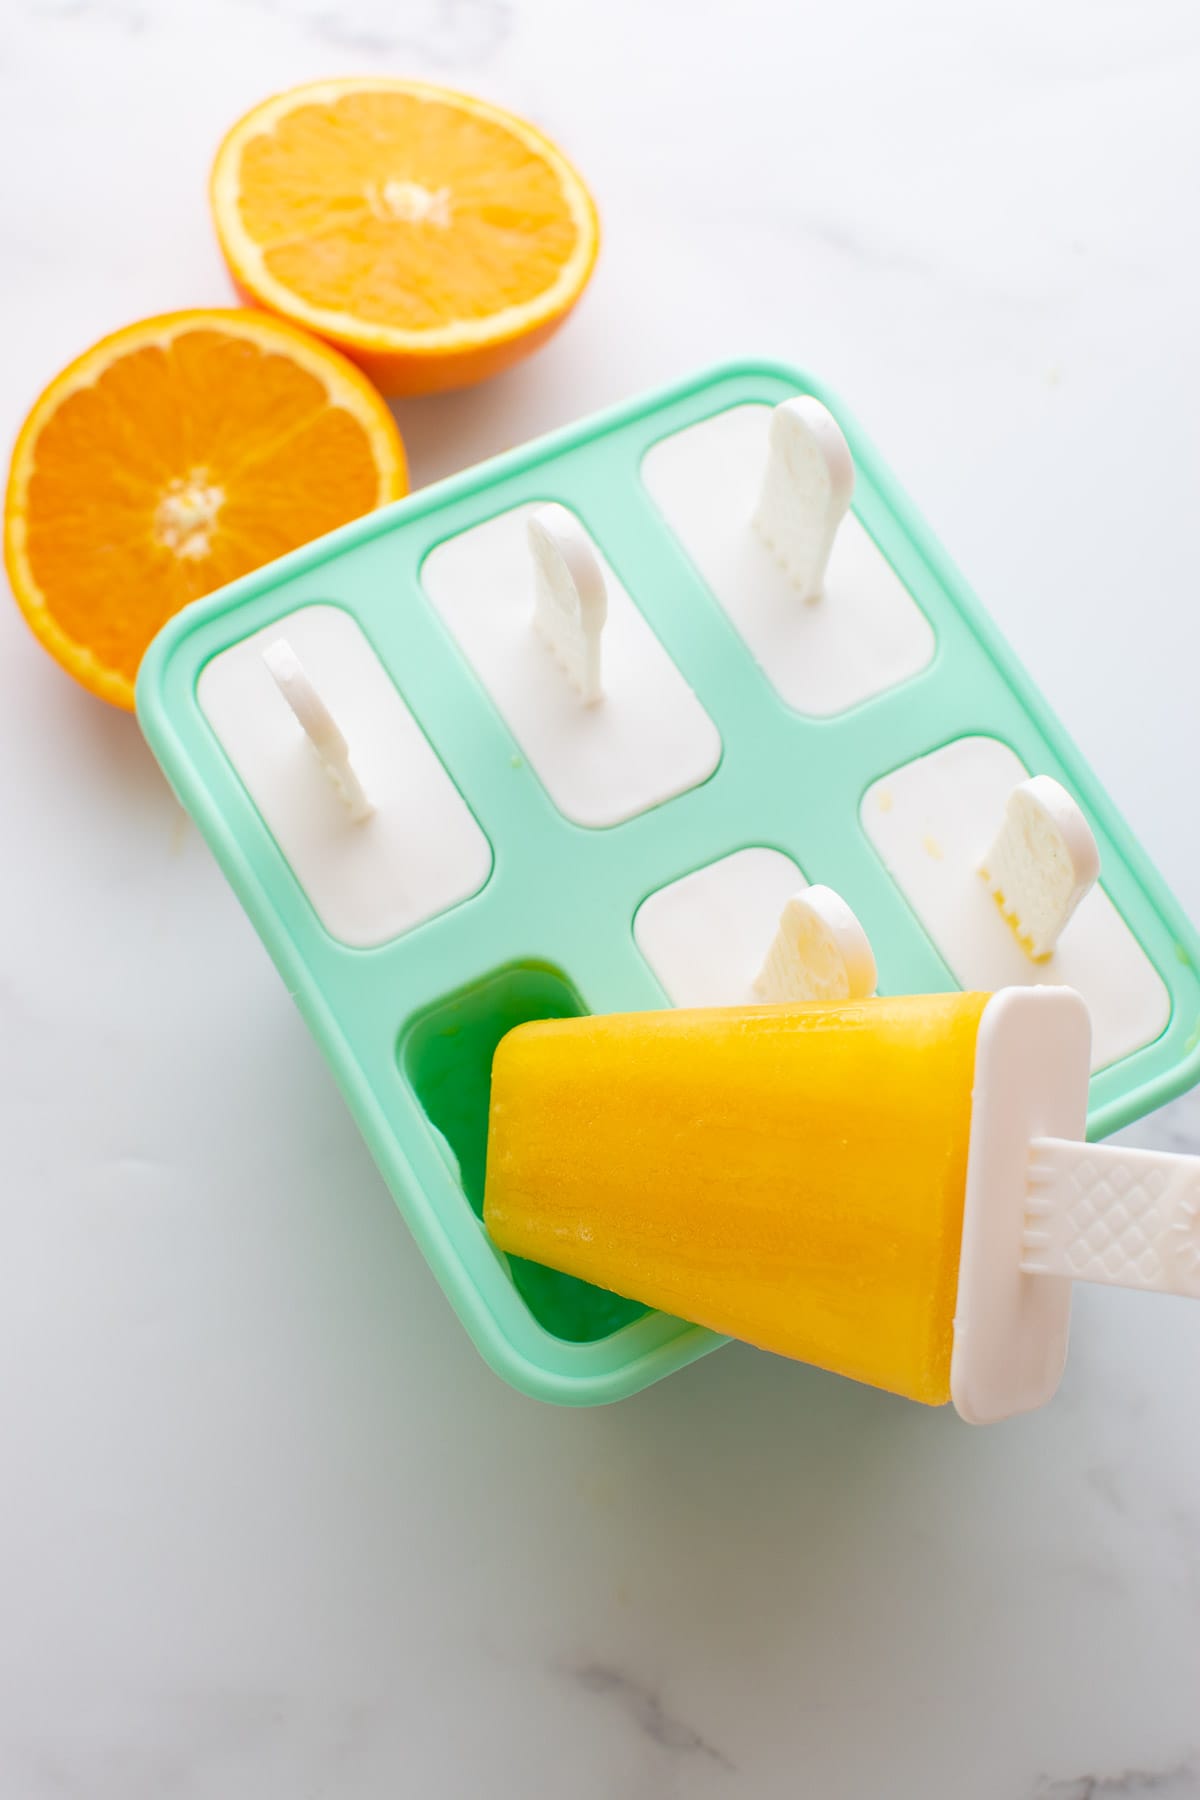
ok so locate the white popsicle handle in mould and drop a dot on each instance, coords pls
(570, 601)
(1042, 863)
(1122, 1217)
(807, 488)
(319, 725)
(819, 952)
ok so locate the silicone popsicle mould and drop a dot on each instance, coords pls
(747, 740)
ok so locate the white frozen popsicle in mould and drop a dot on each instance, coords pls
(758, 497)
(930, 822)
(276, 702)
(819, 952)
(597, 706)
(747, 928)
(1042, 863)
(706, 933)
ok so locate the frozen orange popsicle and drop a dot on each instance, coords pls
(887, 1188)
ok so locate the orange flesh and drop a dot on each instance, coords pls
(403, 212)
(192, 455)
(434, 238)
(793, 1176)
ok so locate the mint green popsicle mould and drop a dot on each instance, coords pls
(500, 875)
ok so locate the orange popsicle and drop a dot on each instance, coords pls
(798, 1176)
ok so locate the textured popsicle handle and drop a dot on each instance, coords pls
(1127, 1218)
(319, 726)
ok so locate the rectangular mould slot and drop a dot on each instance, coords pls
(929, 822)
(446, 1056)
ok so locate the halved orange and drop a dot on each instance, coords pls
(168, 459)
(433, 237)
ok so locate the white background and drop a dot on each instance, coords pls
(269, 1530)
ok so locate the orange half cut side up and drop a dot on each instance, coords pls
(431, 236)
(169, 459)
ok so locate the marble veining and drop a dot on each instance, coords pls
(1173, 1781)
(445, 32)
(645, 1707)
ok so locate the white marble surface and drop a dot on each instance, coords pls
(268, 1528)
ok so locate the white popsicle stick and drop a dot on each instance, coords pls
(1104, 1213)
(1043, 1209)
(319, 724)
(806, 491)
(1044, 860)
(819, 952)
(570, 601)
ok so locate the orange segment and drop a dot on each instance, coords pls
(431, 236)
(169, 459)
